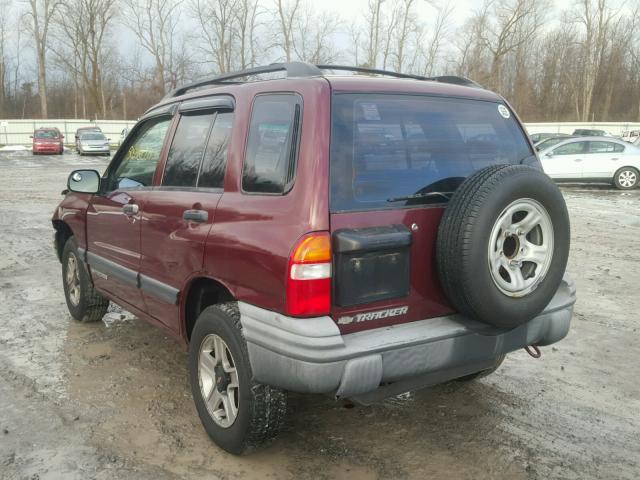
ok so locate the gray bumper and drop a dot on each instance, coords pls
(310, 355)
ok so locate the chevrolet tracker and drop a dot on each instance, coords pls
(350, 235)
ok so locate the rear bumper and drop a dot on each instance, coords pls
(310, 355)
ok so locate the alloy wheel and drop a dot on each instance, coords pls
(520, 247)
(218, 379)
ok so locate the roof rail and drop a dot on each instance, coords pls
(293, 69)
(371, 70)
(302, 69)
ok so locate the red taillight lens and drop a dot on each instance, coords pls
(309, 276)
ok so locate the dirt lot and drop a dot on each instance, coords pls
(111, 400)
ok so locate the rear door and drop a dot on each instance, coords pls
(178, 214)
(114, 216)
(395, 161)
(602, 160)
(565, 161)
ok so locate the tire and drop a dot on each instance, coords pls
(85, 304)
(260, 409)
(483, 373)
(492, 267)
(626, 178)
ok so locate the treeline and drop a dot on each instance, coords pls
(115, 58)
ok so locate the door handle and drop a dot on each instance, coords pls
(200, 216)
(578, 160)
(615, 159)
(130, 209)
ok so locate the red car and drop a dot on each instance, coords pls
(48, 141)
(353, 236)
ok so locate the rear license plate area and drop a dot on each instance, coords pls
(371, 264)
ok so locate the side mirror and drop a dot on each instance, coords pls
(108, 139)
(84, 181)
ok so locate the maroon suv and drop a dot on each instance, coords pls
(351, 235)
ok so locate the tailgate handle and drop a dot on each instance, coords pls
(200, 216)
(371, 239)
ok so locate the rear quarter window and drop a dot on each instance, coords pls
(386, 147)
(271, 154)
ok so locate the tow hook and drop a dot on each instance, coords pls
(533, 350)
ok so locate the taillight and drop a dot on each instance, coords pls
(309, 276)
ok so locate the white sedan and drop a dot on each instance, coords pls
(593, 159)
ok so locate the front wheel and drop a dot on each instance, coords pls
(85, 304)
(237, 413)
(626, 178)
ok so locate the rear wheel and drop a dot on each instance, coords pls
(85, 304)
(237, 413)
(626, 178)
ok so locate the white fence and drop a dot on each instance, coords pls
(18, 132)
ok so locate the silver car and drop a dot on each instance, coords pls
(93, 143)
(593, 159)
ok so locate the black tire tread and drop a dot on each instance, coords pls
(93, 306)
(452, 233)
(615, 178)
(268, 405)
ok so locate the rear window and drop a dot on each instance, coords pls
(385, 148)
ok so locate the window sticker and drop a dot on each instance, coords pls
(370, 111)
(504, 111)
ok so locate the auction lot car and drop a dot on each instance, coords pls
(47, 141)
(93, 143)
(346, 235)
(80, 131)
(593, 159)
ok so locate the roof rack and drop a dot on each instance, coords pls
(302, 69)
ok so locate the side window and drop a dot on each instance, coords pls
(215, 157)
(605, 147)
(573, 148)
(138, 164)
(270, 160)
(187, 150)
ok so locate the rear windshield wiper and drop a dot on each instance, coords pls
(445, 195)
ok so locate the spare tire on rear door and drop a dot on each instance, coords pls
(503, 244)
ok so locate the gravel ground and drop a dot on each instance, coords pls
(111, 400)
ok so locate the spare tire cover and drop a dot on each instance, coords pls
(503, 244)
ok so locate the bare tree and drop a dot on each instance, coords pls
(437, 38)
(155, 24)
(246, 33)
(595, 18)
(41, 13)
(288, 13)
(374, 19)
(83, 26)
(228, 32)
(512, 24)
(312, 37)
